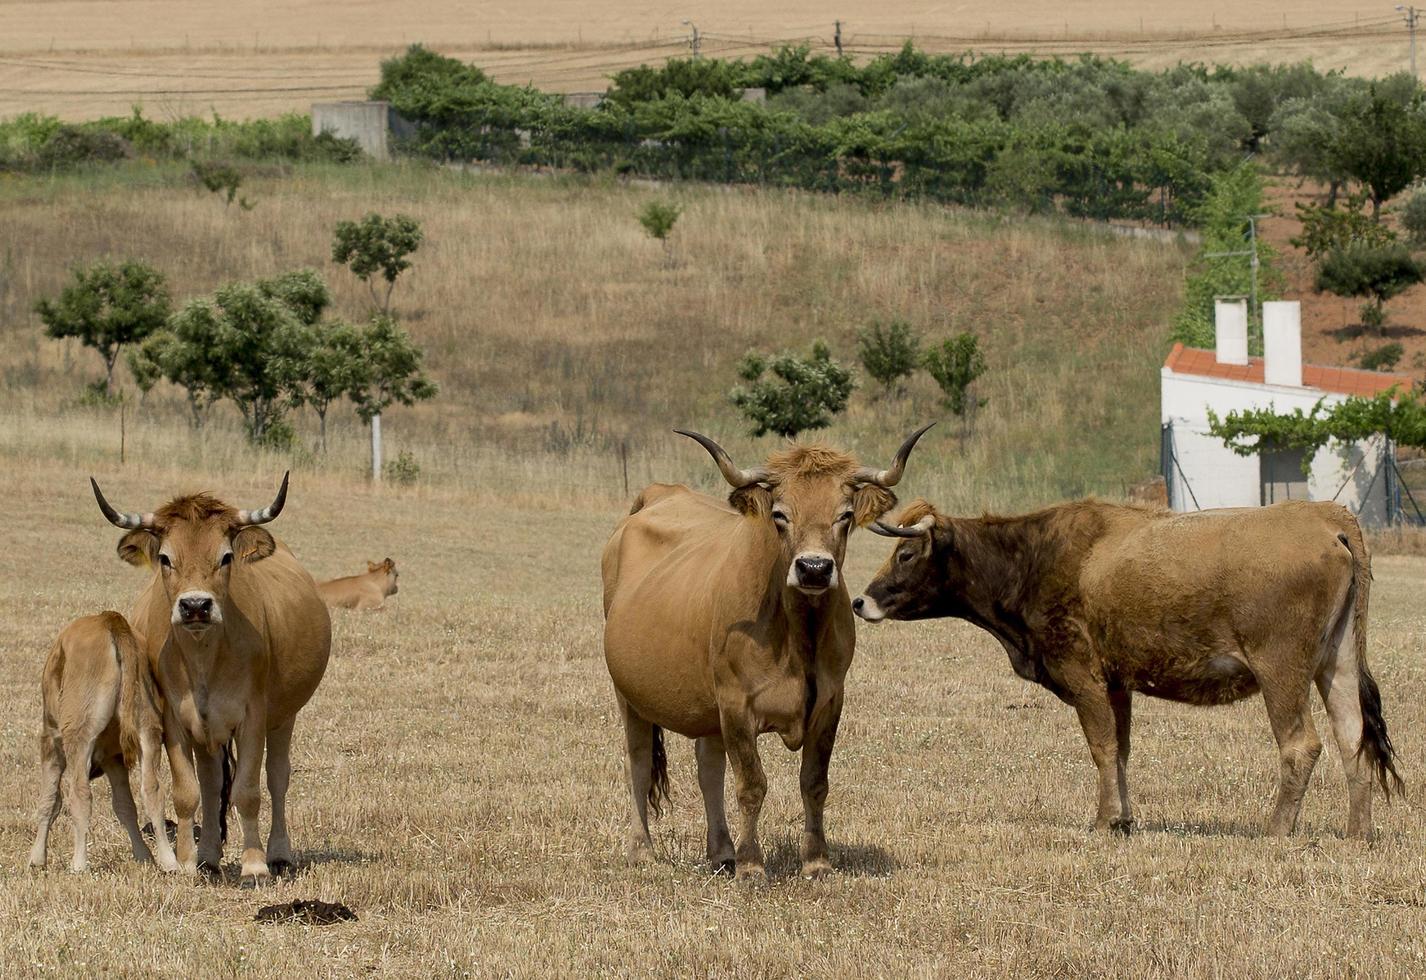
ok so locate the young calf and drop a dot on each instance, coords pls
(367, 591)
(101, 713)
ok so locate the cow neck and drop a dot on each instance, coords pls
(1004, 563)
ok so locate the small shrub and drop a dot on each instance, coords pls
(1413, 217)
(956, 363)
(277, 435)
(889, 353)
(802, 394)
(71, 146)
(1374, 273)
(220, 178)
(403, 469)
(377, 245)
(658, 219)
(1326, 229)
(1382, 358)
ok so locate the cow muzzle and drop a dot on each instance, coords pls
(865, 607)
(812, 573)
(196, 612)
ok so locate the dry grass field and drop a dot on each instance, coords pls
(458, 775)
(458, 784)
(559, 333)
(84, 58)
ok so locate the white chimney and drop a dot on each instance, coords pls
(1230, 330)
(1282, 343)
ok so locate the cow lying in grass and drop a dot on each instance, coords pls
(101, 713)
(1096, 601)
(365, 592)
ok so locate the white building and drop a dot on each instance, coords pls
(1201, 472)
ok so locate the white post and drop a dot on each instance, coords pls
(1230, 330)
(376, 448)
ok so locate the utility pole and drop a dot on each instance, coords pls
(1411, 15)
(837, 39)
(694, 40)
(1252, 253)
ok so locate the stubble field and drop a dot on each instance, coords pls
(85, 58)
(458, 783)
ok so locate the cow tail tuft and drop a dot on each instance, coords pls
(138, 710)
(1376, 742)
(658, 783)
(225, 799)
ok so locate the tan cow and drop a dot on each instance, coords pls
(238, 639)
(100, 712)
(1096, 601)
(365, 592)
(727, 620)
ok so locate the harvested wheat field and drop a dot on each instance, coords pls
(86, 58)
(458, 784)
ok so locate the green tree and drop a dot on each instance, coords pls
(1381, 143)
(1233, 196)
(801, 394)
(389, 373)
(1375, 272)
(889, 352)
(330, 364)
(106, 307)
(956, 363)
(1413, 217)
(377, 245)
(196, 368)
(221, 178)
(658, 219)
(1328, 228)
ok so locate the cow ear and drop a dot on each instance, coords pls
(753, 500)
(870, 501)
(139, 548)
(372, 566)
(253, 544)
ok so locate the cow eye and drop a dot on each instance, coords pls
(164, 561)
(226, 560)
(906, 554)
(779, 518)
(845, 518)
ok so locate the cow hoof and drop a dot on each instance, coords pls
(820, 868)
(169, 865)
(752, 875)
(640, 854)
(253, 881)
(723, 866)
(281, 869)
(1122, 827)
(210, 872)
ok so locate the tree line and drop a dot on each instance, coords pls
(267, 346)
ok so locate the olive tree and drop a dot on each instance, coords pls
(106, 307)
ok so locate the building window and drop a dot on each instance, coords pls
(1280, 475)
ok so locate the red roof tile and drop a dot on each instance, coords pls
(1339, 380)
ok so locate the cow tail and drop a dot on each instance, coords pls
(138, 699)
(658, 783)
(225, 798)
(1376, 743)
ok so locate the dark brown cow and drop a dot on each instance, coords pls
(1096, 601)
(727, 620)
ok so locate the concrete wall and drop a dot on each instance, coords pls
(369, 123)
(1219, 477)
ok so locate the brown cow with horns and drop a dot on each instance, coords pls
(1096, 601)
(238, 639)
(724, 621)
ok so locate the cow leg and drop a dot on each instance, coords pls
(1121, 702)
(122, 797)
(816, 757)
(210, 794)
(712, 766)
(1097, 718)
(51, 771)
(185, 794)
(1290, 714)
(740, 738)
(247, 793)
(79, 754)
(279, 774)
(149, 745)
(1338, 682)
(639, 763)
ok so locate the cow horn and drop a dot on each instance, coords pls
(919, 529)
(892, 476)
(268, 513)
(736, 477)
(126, 521)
